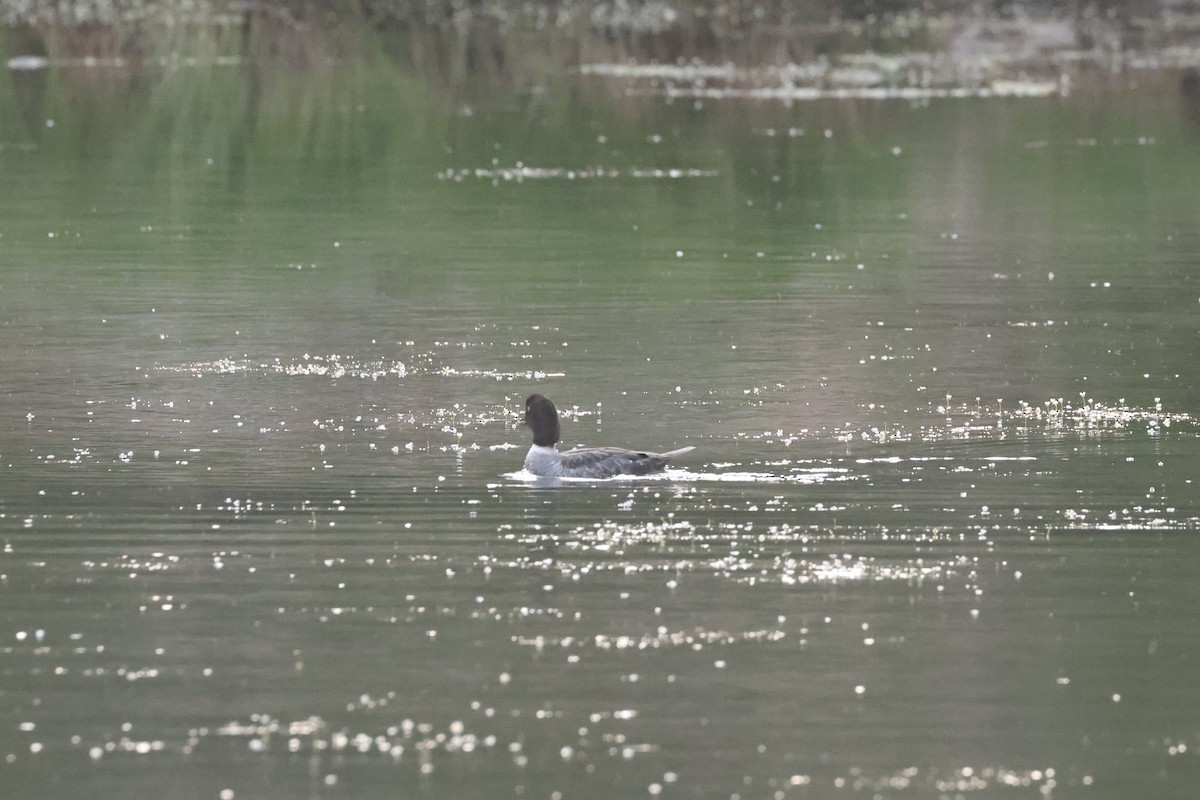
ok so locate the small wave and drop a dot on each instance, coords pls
(500, 375)
(340, 366)
(690, 476)
(333, 366)
(521, 173)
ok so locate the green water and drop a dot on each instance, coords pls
(265, 336)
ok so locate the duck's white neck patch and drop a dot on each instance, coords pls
(543, 460)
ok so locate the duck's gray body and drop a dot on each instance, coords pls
(597, 462)
(544, 459)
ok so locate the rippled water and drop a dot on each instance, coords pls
(264, 532)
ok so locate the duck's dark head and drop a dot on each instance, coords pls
(542, 418)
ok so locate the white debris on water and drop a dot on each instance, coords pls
(863, 76)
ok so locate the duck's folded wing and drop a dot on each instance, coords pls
(605, 462)
(597, 462)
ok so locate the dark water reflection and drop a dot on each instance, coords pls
(261, 536)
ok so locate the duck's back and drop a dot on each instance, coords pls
(605, 462)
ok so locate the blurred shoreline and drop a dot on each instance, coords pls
(780, 49)
(357, 84)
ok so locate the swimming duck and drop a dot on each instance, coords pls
(587, 462)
